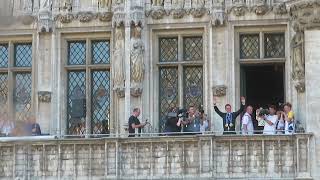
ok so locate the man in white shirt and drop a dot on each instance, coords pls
(247, 125)
(271, 121)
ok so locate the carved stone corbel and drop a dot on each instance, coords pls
(220, 90)
(65, 18)
(198, 12)
(119, 15)
(218, 18)
(136, 91)
(44, 96)
(260, 9)
(156, 12)
(120, 92)
(239, 10)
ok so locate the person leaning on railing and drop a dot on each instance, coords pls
(229, 117)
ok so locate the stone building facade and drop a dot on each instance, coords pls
(81, 65)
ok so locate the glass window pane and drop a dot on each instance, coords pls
(100, 99)
(4, 93)
(100, 52)
(23, 55)
(3, 55)
(168, 49)
(193, 87)
(77, 53)
(22, 95)
(76, 99)
(249, 46)
(168, 93)
(274, 45)
(192, 49)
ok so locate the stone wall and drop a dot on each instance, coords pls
(205, 156)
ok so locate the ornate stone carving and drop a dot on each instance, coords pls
(178, 13)
(44, 96)
(137, 15)
(85, 16)
(45, 23)
(105, 4)
(239, 10)
(306, 14)
(65, 18)
(67, 5)
(156, 12)
(120, 92)
(220, 90)
(260, 9)
(136, 91)
(118, 60)
(280, 9)
(218, 17)
(198, 12)
(157, 2)
(105, 16)
(119, 15)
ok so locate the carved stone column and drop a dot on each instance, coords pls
(44, 68)
(305, 57)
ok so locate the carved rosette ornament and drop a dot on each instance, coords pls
(220, 90)
(198, 12)
(239, 10)
(44, 96)
(105, 16)
(178, 13)
(85, 16)
(65, 18)
(157, 12)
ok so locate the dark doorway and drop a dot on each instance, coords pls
(262, 85)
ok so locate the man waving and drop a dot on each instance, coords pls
(229, 118)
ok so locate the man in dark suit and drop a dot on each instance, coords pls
(229, 118)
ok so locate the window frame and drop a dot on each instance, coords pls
(180, 64)
(88, 68)
(262, 58)
(11, 70)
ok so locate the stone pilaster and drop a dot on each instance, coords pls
(305, 19)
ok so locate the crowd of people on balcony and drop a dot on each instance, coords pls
(9, 128)
(274, 120)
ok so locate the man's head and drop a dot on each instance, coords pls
(287, 107)
(136, 112)
(31, 118)
(249, 109)
(272, 110)
(228, 108)
(192, 110)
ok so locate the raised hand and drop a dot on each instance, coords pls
(243, 100)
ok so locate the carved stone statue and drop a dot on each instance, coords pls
(105, 4)
(298, 56)
(157, 2)
(118, 60)
(137, 56)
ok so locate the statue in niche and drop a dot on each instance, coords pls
(105, 4)
(118, 72)
(137, 55)
(157, 2)
(298, 55)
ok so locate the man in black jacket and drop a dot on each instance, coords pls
(229, 118)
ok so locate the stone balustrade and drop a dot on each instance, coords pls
(181, 157)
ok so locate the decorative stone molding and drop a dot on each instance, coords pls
(218, 18)
(105, 16)
(137, 15)
(280, 9)
(178, 13)
(198, 12)
(300, 85)
(136, 91)
(156, 12)
(44, 96)
(306, 14)
(220, 90)
(85, 16)
(65, 18)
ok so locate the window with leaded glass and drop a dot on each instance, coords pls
(15, 80)
(180, 74)
(262, 46)
(88, 87)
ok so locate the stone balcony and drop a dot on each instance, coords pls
(180, 157)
